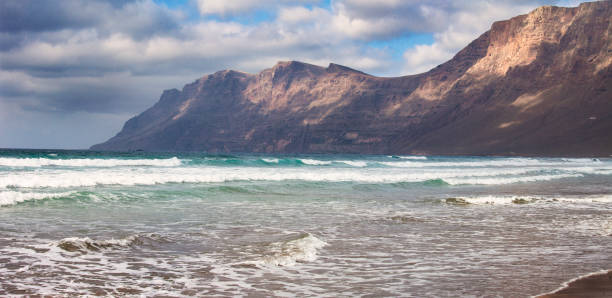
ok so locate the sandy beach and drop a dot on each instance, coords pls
(595, 285)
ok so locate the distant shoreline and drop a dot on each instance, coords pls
(595, 284)
(123, 152)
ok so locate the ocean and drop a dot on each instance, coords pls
(194, 224)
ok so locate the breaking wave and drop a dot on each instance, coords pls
(506, 162)
(314, 162)
(519, 200)
(355, 163)
(413, 157)
(87, 162)
(145, 176)
(299, 249)
(270, 160)
(8, 198)
(86, 244)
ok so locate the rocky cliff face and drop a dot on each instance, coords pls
(537, 84)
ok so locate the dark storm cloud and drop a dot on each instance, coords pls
(9, 41)
(45, 15)
(140, 20)
(111, 93)
(388, 19)
(88, 98)
(136, 18)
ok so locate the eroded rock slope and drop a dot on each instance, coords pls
(537, 84)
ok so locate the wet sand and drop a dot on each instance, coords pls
(595, 285)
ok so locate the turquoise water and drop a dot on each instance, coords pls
(81, 222)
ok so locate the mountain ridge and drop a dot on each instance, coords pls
(536, 84)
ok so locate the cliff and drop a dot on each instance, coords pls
(537, 84)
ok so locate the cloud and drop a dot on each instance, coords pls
(380, 20)
(43, 15)
(136, 18)
(227, 7)
(387, 19)
(27, 129)
(303, 15)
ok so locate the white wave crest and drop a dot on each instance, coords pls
(506, 180)
(270, 160)
(314, 162)
(59, 178)
(413, 157)
(289, 253)
(354, 163)
(519, 200)
(87, 162)
(491, 200)
(87, 244)
(8, 198)
(566, 284)
(582, 160)
(589, 199)
(506, 162)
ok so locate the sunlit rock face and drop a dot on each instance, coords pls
(537, 84)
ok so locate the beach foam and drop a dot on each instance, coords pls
(595, 227)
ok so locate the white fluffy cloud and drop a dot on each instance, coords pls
(224, 7)
(303, 15)
(230, 7)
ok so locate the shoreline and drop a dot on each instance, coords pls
(594, 284)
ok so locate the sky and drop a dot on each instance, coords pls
(73, 71)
